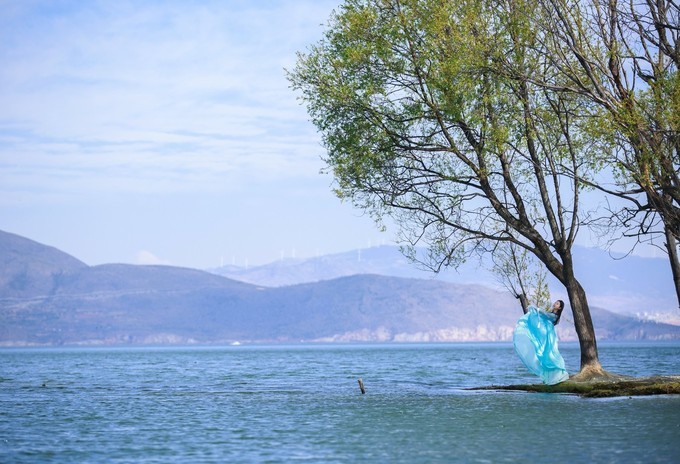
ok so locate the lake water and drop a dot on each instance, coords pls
(303, 404)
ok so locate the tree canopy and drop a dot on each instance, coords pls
(452, 118)
(623, 57)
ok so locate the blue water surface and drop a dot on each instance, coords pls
(302, 403)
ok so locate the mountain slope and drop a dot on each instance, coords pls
(631, 285)
(379, 308)
(67, 302)
(28, 267)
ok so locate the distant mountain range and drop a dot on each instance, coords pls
(632, 285)
(50, 298)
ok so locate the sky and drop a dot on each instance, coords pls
(166, 132)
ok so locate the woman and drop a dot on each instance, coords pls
(535, 342)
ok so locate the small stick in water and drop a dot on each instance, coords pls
(361, 387)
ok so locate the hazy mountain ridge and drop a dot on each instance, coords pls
(379, 260)
(68, 302)
(629, 285)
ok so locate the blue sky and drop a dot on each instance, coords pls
(165, 132)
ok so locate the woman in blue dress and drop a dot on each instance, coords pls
(535, 342)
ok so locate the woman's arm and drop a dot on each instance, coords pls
(548, 314)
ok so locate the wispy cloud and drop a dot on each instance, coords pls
(152, 95)
(146, 257)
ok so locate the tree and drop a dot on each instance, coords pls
(422, 123)
(521, 275)
(624, 58)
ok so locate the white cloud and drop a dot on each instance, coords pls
(121, 95)
(146, 257)
(135, 122)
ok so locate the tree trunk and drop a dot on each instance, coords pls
(583, 323)
(672, 247)
(522, 297)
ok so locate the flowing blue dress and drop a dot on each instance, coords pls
(535, 342)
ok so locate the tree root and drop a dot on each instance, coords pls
(595, 373)
(614, 385)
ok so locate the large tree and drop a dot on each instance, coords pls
(623, 56)
(423, 123)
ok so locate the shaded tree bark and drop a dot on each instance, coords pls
(524, 301)
(672, 249)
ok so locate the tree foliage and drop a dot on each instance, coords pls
(429, 114)
(623, 57)
(520, 273)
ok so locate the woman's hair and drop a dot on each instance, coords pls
(559, 311)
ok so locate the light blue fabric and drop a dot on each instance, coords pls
(535, 342)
